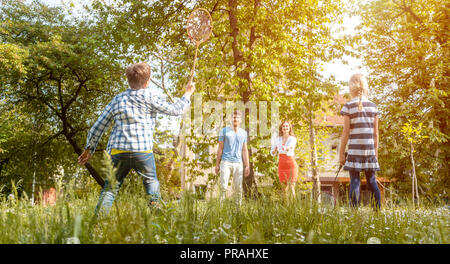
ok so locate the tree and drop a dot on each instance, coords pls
(63, 76)
(405, 46)
(414, 135)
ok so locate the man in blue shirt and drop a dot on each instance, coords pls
(133, 114)
(232, 150)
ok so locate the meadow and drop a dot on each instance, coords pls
(268, 219)
(61, 65)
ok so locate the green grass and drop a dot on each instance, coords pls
(264, 220)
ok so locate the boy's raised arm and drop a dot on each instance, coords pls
(177, 108)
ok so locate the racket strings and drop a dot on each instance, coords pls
(199, 25)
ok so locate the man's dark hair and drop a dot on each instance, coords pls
(237, 112)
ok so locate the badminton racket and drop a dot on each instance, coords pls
(199, 27)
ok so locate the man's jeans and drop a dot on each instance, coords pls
(143, 164)
(371, 183)
(227, 168)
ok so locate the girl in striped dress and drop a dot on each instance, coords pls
(361, 134)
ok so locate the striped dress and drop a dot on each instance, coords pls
(361, 147)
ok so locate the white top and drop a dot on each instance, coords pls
(288, 148)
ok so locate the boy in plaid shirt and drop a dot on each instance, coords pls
(131, 141)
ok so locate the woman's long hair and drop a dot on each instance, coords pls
(291, 130)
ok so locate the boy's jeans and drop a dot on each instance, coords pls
(143, 164)
(227, 168)
(371, 182)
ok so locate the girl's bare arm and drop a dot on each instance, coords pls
(375, 135)
(344, 139)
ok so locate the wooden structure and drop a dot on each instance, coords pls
(47, 197)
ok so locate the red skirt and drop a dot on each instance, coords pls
(287, 169)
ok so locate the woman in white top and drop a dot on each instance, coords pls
(287, 166)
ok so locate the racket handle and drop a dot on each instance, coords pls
(193, 66)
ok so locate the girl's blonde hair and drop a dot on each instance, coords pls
(358, 87)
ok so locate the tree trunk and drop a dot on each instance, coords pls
(415, 191)
(182, 154)
(33, 184)
(249, 183)
(88, 166)
(412, 188)
(68, 127)
(315, 177)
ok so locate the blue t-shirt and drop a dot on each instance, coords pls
(233, 142)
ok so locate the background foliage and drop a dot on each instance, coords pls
(58, 71)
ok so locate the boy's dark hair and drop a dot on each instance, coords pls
(138, 75)
(237, 112)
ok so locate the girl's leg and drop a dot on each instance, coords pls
(372, 183)
(354, 188)
(294, 177)
(292, 185)
(284, 189)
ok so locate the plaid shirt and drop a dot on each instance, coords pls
(134, 115)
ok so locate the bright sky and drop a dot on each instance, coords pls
(342, 72)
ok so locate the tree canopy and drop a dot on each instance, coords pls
(57, 73)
